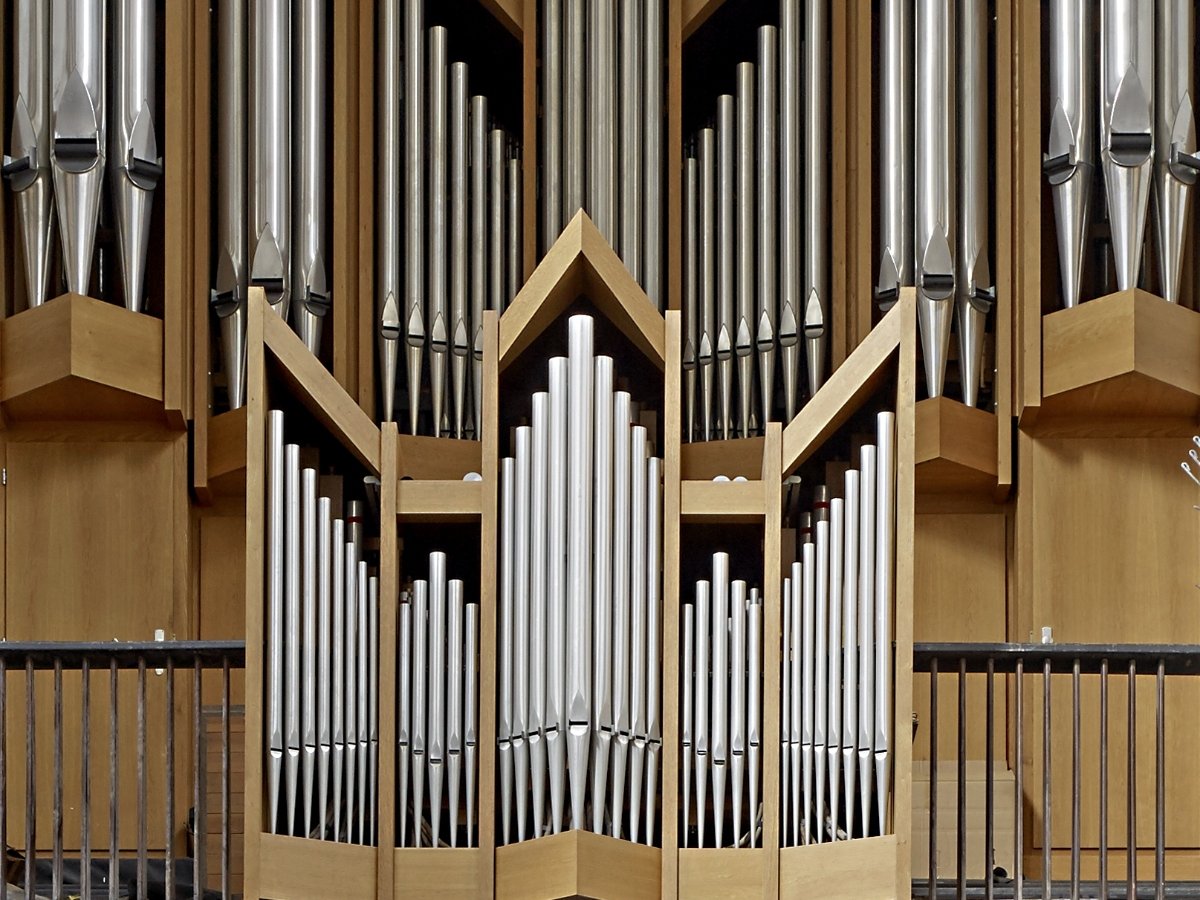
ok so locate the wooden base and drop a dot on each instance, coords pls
(1129, 357)
(443, 873)
(578, 863)
(730, 874)
(227, 452)
(439, 501)
(303, 869)
(955, 447)
(446, 459)
(863, 869)
(79, 359)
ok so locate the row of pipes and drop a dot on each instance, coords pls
(1147, 133)
(722, 707)
(83, 108)
(837, 656)
(580, 622)
(322, 656)
(449, 242)
(603, 127)
(933, 166)
(438, 708)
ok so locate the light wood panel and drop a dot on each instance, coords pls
(723, 501)
(724, 873)
(955, 447)
(577, 863)
(290, 870)
(441, 873)
(862, 869)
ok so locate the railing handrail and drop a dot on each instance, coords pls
(125, 654)
(1176, 659)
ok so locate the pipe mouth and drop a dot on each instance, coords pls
(1059, 168)
(76, 154)
(1130, 148)
(225, 303)
(937, 285)
(1184, 166)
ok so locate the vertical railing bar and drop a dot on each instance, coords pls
(30, 782)
(1131, 792)
(1046, 887)
(1019, 778)
(169, 835)
(961, 867)
(113, 782)
(142, 812)
(1076, 786)
(85, 779)
(1103, 842)
(933, 775)
(4, 754)
(57, 815)
(225, 887)
(989, 826)
(1160, 778)
(198, 772)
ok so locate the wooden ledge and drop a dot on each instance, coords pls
(696, 13)
(439, 501)
(441, 873)
(955, 447)
(578, 863)
(722, 501)
(439, 459)
(862, 869)
(728, 873)
(1128, 356)
(508, 13)
(304, 869)
(703, 460)
(227, 452)
(80, 359)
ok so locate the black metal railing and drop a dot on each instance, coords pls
(1026, 670)
(175, 686)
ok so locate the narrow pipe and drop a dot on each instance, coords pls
(652, 148)
(808, 697)
(703, 634)
(686, 748)
(895, 151)
(719, 731)
(556, 592)
(885, 535)
(275, 614)
(309, 280)
(746, 268)
(632, 97)
(833, 684)
(350, 655)
(512, 225)
(415, 204)
(439, 224)
(786, 726)
(403, 707)
(1175, 159)
(574, 107)
(436, 732)
(707, 277)
(270, 211)
(292, 629)
(364, 695)
(551, 134)
(522, 494)
(309, 655)
(324, 653)
(600, 148)
(790, 190)
(479, 249)
(536, 712)
(497, 170)
(471, 715)
(622, 545)
(454, 701)
(504, 726)
(373, 709)
(459, 323)
(602, 586)
(338, 699)
(726, 324)
(690, 311)
(754, 706)
(639, 623)
(653, 638)
(768, 216)
(814, 289)
(737, 704)
(850, 570)
(420, 638)
(866, 631)
(389, 197)
(820, 693)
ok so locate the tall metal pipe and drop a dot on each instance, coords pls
(705, 349)
(454, 700)
(746, 264)
(556, 591)
(512, 224)
(638, 624)
(352, 687)
(737, 703)
(552, 118)
(833, 683)
(935, 185)
(686, 744)
(309, 280)
(275, 614)
(324, 655)
(768, 215)
(602, 586)
(1175, 159)
(630, 241)
(436, 732)
(622, 548)
(808, 698)
(389, 197)
(820, 694)
(726, 323)
(601, 125)
(790, 192)
(403, 714)
(1070, 157)
(291, 632)
(308, 660)
(895, 150)
(754, 706)
(814, 290)
(459, 324)
(974, 283)
(574, 107)
(786, 725)
(1127, 127)
(652, 140)
(504, 725)
(535, 724)
(520, 642)
(439, 223)
(270, 212)
(850, 643)
(364, 695)
(338, 689)
(471, 715)
(420, 644)
(885, 481)
(866, 631)
(703, 635)
(653, 637)
(719, 725)
(690, 312)
(372, 709)
(27, 167)
(497, 170)
(77, 154)
(479, 249)
(415, 204)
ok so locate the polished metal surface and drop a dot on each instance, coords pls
(479, 250)
(632, 97)
(459, 324)
(767, 244)
(270, 151)
(691, 311)
(415, 204)
(552, 119)
(439, 226)
(705, 349)
(1175, 158)
(389, 250)
(746, 269)
(895, 150)
(601, 149)
(790, 191)
(814, 287)
(725, 321)
(310, 280)
(653, 188)
(602, 586)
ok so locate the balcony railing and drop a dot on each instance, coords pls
(1057, 690)
(116, 768)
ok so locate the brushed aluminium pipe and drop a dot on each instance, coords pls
(726, 324)
(538, 523)
(833, 683)
(807, 697)
(439, 224)
(512, 225)
(690, 300)
(350, 599)
(896, 264)
(27, 167)
(324, 655)
(454, 701)
(362, 719)
(719, 725)
(652, 148)
(436, 732)
(1070, 157)
(420, 644)
(504, 725)
(786, 726)
(866, 631)
(700, 724)
(479, 249)
(747, 175)
(630, 238)
(934, 215)
(459, 324)
(754, 705)
(622, 547)
(556, 592)
(497, 170)
(270, 153)
(291, 632)
(638, 624)
(737, 704)
(338, 698)
(686, 745)
(309, 281)
(471, 715)
(574, 107)
(552, 118)
(602, 586)
(885, 535)
(373, 709)
(308, 656)
(275, 614)
(137, 167)
(389, 198)
(354, 524)
(520, 638)
(707, 276)
(974, 283)
(654, 469)
(580, 395)
(768, 215)
(814, 289)
(850, 644)
(415, 205)
(78, 125)
(403, 691)
(820, 692)
(790, 189)
(602, 104)
(1175, 158)
(1127, 127)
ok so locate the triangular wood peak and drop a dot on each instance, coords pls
(582, 263)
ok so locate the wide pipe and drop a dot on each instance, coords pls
(389, 198)
(270, 213)
(291, 632)
(700, 734)
(790, 189)
(719, 732)
(420, 644)
(535, 714)
(504, 725)
(1175, 159)
(737, 703)
(895, 149)
(602, 586)
(689, 679)
(621, 561)
(415, 203)
(814, 289)
(436, 730)
(556, 590)
(403, 689)
(850, 568)
(520, 637)
(767, 244)
(308, 607)
(275, 614)
(454, 700)
(309, 279)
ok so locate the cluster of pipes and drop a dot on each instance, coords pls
(837, 656)
(603, 125)
(1147, 133)
(74, 109)
(438, 707)
(271, 204)
(933, 177)
(449, 239)
(580, 577)
(722, 705)
(756, 234)
(322, 655)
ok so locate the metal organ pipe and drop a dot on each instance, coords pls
(895, 150)
(768, 214)
(457, 327)
(270, 213)
(390, 197)
(415, 204)
(814, 295)
(1175, 159)
(308, 208)
(439, 224)
(743, 339)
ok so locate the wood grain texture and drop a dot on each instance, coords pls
(1027, 200)
(227, 444)
(441, 873)
(439, 501)
(702, 460)
(1004, 113)
(695, 13)
(863, 869)
(290, 870)
(955, 447)
(179, 107)
(424, 458)
(721, 501)
(198, 286)
(732, 874)
(577, 863)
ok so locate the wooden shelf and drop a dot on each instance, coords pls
(227, 452)
(442, 459)
(1127, 358)
(439, 501)
(722, 501)
(303, 869)
(955, 447)
(702, 460)
(79, 359)
(862, 869)
(733, 874)
(441, 873)
(577, 863)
